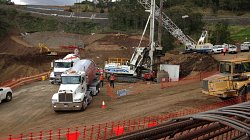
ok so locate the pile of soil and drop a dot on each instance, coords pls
(190, 63)
(20, 59)
(15, 66)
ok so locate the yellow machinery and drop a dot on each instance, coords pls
(43, 49)
(233, 79)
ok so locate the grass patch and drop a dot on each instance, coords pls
(240, 33)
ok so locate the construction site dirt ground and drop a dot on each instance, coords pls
(31, 110)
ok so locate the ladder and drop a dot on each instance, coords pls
(170, 25)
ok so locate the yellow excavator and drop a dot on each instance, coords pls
(232, 81)
(44, 49)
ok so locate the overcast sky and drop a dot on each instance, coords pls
(46, 2)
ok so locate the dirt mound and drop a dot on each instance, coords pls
(9, 46)
(123, 40)
(14, 66)
(191, 63)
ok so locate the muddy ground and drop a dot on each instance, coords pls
(30, 109)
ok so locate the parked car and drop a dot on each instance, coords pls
(232, 49)
(217, 49)
(245, 46)
(5, 94)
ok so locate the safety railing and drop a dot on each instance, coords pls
(121, 61)
(24, 80)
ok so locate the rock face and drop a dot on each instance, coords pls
(191, 62)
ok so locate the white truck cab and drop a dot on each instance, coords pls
(60, 66)
(5, 94)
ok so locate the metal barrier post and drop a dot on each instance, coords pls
(84, 133)
(41, 135)
(59, 133)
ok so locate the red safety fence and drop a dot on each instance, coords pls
(111, 129)
(165, 83)
(24, 80)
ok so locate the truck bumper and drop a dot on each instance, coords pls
(66, 106)
(221, 94)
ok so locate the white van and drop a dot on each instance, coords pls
(245, 46)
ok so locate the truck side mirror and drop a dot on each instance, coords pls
(52, 64)
(82, 80)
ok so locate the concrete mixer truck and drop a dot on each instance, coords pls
(79, 84)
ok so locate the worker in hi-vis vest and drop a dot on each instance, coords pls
(224, 50)
(101, 78)
(112, 80)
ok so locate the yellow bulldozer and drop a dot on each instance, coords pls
(43, 49)
(232, 81)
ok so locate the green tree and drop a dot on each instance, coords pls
(220, 34)
(127, 15)
(8, 2)
(4, 28)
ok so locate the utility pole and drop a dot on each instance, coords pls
(152, 28)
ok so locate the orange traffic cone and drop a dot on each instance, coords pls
(103, 104)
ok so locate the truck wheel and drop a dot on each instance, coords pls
(8, 97)
(242, 91)
(98, 90)
(242, 94)
(84, 104)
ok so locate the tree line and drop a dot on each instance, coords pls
(232, 5)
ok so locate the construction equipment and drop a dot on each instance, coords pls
(233, 79)
(143, 57)
(79, 84)
(44, 49)
(171, 27)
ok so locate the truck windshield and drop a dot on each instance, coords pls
(71, 79)
(63, 64)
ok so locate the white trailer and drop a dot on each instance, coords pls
(61, 65)
(78, 86)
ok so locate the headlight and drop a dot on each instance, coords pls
(77, 100)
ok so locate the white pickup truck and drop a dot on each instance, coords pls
(5, 94)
